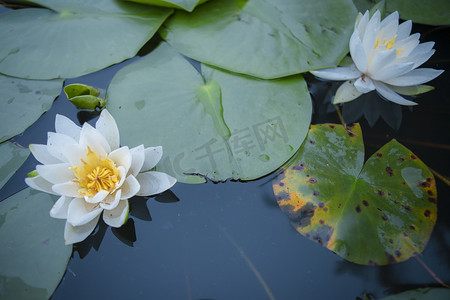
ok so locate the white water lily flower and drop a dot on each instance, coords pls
(385, 58)
(92, 174)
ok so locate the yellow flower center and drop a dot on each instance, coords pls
(96, 174)
(389, 44)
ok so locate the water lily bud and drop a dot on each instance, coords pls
(32, 174)
(84, 96)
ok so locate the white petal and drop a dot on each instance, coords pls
(122, 176)
(392, 71)
(61, 207)
(154, 183)
(121, 157)
(75, 234)
(111, 201)
(40, 184)
(358, 54)
(69, 188)
(364, 85)
(380, 60)
(419, 59)
(94, 139)
(130, 187)
(339, 73)
(41, 154)
(407, 45)
(346, 92)
(80, 212)
(393, 17)
(404, 29)
(108, 128)
(361, 21)
(58, 143)
(66, 126)
(57, 173)
(97, 198)
(117, 216)
(390, 95)
(152, 157)
(415, 77)
(137, 159)
(75, 154)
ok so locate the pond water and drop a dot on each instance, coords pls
(231, 241)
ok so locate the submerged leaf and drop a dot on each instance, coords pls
(262, 38)
(215, 124)
(23, 102)
(33, 253)
(74, 37)
(376, 214)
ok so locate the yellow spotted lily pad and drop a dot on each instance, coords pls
(377, 213)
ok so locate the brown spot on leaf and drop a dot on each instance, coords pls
(432, 200)
(412, 156)
(427, 213)
(379, 154)
(331, 126)
(322, 235)
(358, 208)
(299, 167)
(397, 253)
(384, 217)
(316, 193)
(321, 204)
(424, 184)
(401, 159)
(391, 259)
(380, 192)
(405, 234)
(312, 142)
(412, 227)
(312, 180)
(430, 192)
(389, 171)
(407, 207)
(391, 241)
(321, 222)
(281, 184)
(365, 202)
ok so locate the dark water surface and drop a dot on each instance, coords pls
(231, 241)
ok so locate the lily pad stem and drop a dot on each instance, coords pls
(339, 114)
(441, 177)
(431, 272)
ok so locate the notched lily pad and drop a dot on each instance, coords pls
(377, 214)
(33, 254)
(187, 5)
(264, 38)
(74, 37)
(23, 102)
(214, 124)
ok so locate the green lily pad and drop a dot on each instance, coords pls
(34, 257)
(376, 214)
(264, 38)
(11, 158)
(436, 12)
(73, 38)
(187, 5)
(23, 102)
(215, 124)
(421, 294)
